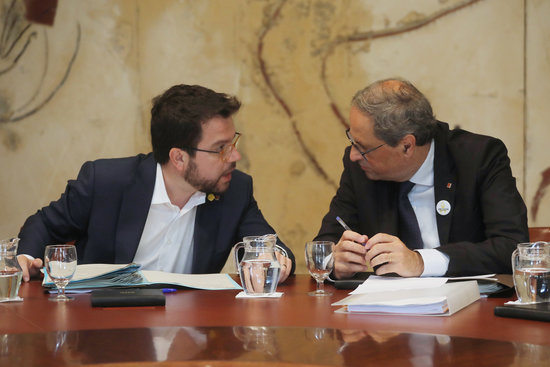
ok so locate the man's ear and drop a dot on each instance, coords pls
(178, 158)
(409, 143)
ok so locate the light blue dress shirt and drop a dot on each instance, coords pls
(422, 199)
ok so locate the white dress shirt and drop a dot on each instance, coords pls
(167, 240)
(422, 199)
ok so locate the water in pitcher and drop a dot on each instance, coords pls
(10, 271)
(533, 284)
(259, 276)
(9, 284)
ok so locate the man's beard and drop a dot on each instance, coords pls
(204, 185)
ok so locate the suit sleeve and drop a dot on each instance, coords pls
(504, 217)
(343, 205)
(253, 223)
(63, 220)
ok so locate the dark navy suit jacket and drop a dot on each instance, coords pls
(104, 210)
(488, 217)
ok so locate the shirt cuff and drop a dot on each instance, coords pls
(436, 262)
(28, 257)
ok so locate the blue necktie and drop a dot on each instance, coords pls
(409, 232)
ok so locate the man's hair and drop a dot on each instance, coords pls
(397, 109)
(177, 116)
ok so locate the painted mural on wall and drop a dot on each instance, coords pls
(325, 48)
(35, 61)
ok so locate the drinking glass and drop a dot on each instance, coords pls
(320, 262)
(60, 261)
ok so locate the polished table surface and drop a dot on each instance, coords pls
(295, 329)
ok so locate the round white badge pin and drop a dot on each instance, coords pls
(443, 207)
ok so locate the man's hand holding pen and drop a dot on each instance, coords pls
(349, 255)
(383, 252)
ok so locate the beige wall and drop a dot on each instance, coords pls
(81, 89)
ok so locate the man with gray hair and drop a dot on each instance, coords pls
(421, 199)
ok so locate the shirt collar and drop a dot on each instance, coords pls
(425, 174)
(160, 196)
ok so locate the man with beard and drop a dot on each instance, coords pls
(179, 209)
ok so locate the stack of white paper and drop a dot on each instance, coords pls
(376, 283)
(410, 296)
(419, 305)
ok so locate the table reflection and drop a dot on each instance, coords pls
(270, 345)
(257, 338)
(423, 349)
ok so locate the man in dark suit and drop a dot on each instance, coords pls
(178, 209)
(463, 215)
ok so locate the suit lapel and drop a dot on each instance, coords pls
(136, 201)
(444, 187)
(207, 224)
(386, 208)
(376, 202)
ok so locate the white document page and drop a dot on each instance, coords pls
(487, 277)
(89, 271)
(200, 281)
(90, 276)
(375, 284)
(443, 300)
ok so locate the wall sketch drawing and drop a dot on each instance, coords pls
(40, 57)
(325, 49)
(541, 191)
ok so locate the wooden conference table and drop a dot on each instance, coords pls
(212, 328)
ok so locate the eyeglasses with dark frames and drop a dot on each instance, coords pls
(354, 144)
(225, 152)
